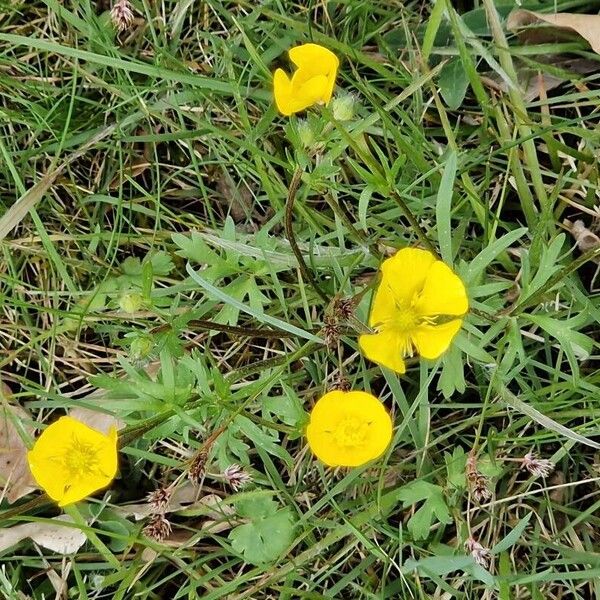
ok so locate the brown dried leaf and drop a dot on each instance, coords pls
(96, 420)
(15, 476)
(183, 497)
(135, 169)
(555, 27)
(534, 81)
(586, 239)
(58, 538)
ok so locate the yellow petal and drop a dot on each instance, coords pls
(431, 341)
(384, 348)
(282, 90)
(108, 456)
(307, 92)
(81, 488)
(314, 59)
(406, 272)
(443, 293)
(50, 475)
(331, 410)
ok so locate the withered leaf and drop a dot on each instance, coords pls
(555, 27)
(15, 476)
(61, 539)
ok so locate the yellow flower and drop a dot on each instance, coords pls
(312, 83)
(70, 460)
(348, 429)
(415, 308)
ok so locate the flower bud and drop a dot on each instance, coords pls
(343, 107)
(306, 134)
(131, 302)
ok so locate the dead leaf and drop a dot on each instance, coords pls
(61, 539)
(135, 169)
(15, 476)
(586, 239)
(555, 27)
(533, 81)
(99, 421)
(185, 498)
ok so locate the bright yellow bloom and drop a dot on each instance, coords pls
(415, 308)
(312, 83)
(348, 429)
(70, 460)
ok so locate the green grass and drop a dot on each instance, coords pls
(146, 189)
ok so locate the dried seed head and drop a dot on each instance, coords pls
(481, 554)
(342, 383)
(331, 331)
(159, 500)
(197, 467)
(480, 490)
(343, 308)
(158, 528)
(471, 468)
(122, 14)
(540, 467)
(236, 477)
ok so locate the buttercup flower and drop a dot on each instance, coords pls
(70, 460)
(348, 429)
(312, 82)
(415, 309)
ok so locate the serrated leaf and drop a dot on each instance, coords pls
(194, 248)
(162, 265)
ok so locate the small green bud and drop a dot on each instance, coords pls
(141, 348)
(306, 134)
(343, 107)
(131, 302)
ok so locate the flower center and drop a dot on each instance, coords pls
(81, 459)
(405, 320)
(351, 432)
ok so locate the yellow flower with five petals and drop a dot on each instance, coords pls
(70, 460)
(418, 306)
(348, 429)
(312, 82)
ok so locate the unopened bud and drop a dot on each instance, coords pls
(343, 107)
(131, 302)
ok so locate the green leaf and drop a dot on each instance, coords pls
(194, 248)
(577, 346)
(437, 566)
(434, 507)
(453, 82)
(480, 263)
(256, 507)
(264, 539)
(455, 466)
(287, 407)
(162, 265)
(452, 378)
(261, 439)
(443, 208)
(513, 536)
(218, 294)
